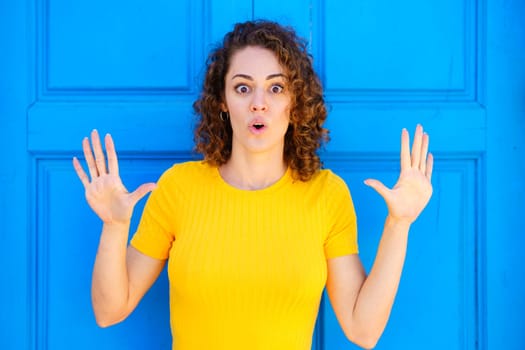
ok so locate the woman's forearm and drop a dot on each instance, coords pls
(376, 297)
(110, 284)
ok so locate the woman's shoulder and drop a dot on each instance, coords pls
(329, 185)
(188, 171)
(328, 178)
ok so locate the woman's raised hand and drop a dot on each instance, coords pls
(409, 196)
(105, 193)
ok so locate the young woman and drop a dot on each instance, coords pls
(255, 231)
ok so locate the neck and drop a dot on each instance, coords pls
(253, 173)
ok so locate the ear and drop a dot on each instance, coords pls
(224, 108)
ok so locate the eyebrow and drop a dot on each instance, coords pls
(269, 77)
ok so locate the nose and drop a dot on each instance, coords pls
(258, 103)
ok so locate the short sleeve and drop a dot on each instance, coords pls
(342, 235)
(155, 233)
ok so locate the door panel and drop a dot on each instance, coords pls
(438, 286)
(392, 48)
(386, 66)
(65, 254)
(117, 68)
(89, 45)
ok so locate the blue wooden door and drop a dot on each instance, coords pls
(133, 69)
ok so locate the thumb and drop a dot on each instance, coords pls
(141, 191)
(378, 187)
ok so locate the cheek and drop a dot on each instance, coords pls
(288, 105)
(233, 102)
(287, 113)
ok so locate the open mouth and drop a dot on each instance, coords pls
(257, 126)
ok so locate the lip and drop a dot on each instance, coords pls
(262, 126)
(257, 131)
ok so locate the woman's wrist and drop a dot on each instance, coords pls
(397, 223)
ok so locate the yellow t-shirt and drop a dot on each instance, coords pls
(246, 268)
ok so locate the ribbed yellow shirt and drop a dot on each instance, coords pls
(246, 268)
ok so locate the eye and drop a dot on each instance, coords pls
(276, 88)
(242, 89)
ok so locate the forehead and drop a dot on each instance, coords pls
(254, 61)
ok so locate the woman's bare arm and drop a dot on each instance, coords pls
(363, 303)
(121, 275)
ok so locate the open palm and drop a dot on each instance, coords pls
(409, 196)
(105, 193)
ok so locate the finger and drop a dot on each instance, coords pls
(80, 172)
(99, 154)
(416, 146)
(378, 187)
(405, 150)
(141, 191)
(430, 166)
(424, 153)
(112, 155)
(90, 160)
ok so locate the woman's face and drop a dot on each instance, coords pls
(258, 101)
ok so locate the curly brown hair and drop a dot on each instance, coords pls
(305, 134)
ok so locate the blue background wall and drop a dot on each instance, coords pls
(133, 69)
